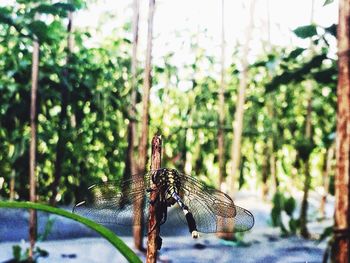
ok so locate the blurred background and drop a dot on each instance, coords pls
(242, 92)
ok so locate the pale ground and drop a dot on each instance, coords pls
(72, 242)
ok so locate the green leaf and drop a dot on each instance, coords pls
(305, 31)
(297, 75)
(65, 6)
(275, 216)
(276, 211)
(59, 9)
(45, 9)
(293, 225)
(289, 206)
(327, 2)
(41, 252)
(295, 53)
(47, 230)
(332, 30)
(327, 76)
(326, 233)
(5, 16)
(39, 29)
(103, 231)
(16, 252)
(241, 174)
(78, 4)
(304, 148)
(258, 64)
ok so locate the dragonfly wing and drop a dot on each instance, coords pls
(243, 221)
(213, 210)
(116, 202)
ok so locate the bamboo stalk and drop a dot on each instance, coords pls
(146, 90)
(32, 150)
(326, 178)
(221, 133)
(130, 164)
(137, 229)
(238, 119)
(304, 231)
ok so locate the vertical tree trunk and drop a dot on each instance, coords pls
(153, 236)
(146, 90)
(145, 114)
(183, 154)
(130, 165)
(341, 245)
(265, 172)
(268, 24)
(198, 158)
(273, 171)
(238, 120)
(268, 147)
(221, 132)
(307, 183)
(12, 185)
(325, 178)
(62, 140)
(189, 155)
(221, 135)
(271, 150)
(32, 150)
(304, 232)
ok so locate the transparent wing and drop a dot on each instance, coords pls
(117, 202)
(213, 210)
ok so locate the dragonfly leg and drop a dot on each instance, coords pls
(191, 222)
(159, 242)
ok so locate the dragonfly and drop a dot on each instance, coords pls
(203, 208)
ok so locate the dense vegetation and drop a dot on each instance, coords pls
(83, 106)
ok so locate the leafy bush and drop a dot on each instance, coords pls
(287, 205)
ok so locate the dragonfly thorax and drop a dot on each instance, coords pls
(168, 182)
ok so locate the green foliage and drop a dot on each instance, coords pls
(306, 31)
(287, 205)
(17, 253)
(97, 102)
(327, 233)
(47, 230)
(327, 2)
(297, 75)
(23, 256)
(104, 232)
(304, 148)
(59, 9)
(95, 87)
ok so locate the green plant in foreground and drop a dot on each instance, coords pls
(23, 256)
(104, 232)
(20, 256)
(287, 205)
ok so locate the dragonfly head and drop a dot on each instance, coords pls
(159, 175)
